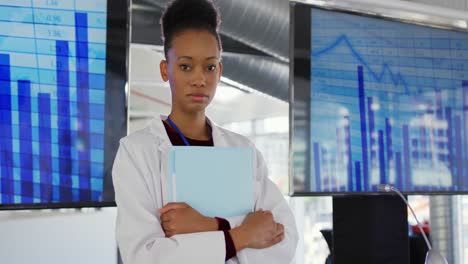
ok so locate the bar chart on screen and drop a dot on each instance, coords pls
(52, 96)
(395, 97)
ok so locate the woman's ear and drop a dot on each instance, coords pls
(220, 71)
(163, 70)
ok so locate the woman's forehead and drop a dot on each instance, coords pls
(195, 44)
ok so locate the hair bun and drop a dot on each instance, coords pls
(181, 14)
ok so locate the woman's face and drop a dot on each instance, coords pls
(193, 69)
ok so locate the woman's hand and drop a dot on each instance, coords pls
(258, 230)
(180, 218)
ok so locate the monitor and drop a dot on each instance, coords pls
(62, 101)
(376, 100)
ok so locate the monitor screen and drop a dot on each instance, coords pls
(62, 103)
(377, 101)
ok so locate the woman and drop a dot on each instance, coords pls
(150, 230)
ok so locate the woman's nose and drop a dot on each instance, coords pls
(199, 78)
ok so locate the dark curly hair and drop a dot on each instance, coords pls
(181, 15)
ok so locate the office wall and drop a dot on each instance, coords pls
(58, 236)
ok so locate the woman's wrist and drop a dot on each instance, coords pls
(240, 237)
(211, 224)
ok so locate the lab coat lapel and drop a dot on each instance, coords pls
(218, 135)
(163, 154)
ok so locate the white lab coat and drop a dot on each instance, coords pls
(140, 182)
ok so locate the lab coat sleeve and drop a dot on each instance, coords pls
(270, 198)
(140, 236)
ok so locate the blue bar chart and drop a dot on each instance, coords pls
(397, 96)
(52, 100)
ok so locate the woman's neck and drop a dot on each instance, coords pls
(191, 125)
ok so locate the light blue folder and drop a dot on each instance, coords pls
(215, 181)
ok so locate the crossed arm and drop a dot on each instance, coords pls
(258, 230)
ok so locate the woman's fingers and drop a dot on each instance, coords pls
(171, 206)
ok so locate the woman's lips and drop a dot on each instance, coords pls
(198, 97)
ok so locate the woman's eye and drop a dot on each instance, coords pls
(211, 67)
(184, 67)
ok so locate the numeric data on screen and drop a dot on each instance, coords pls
(52, 100)
(389, 104)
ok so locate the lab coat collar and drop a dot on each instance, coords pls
(158, 129)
